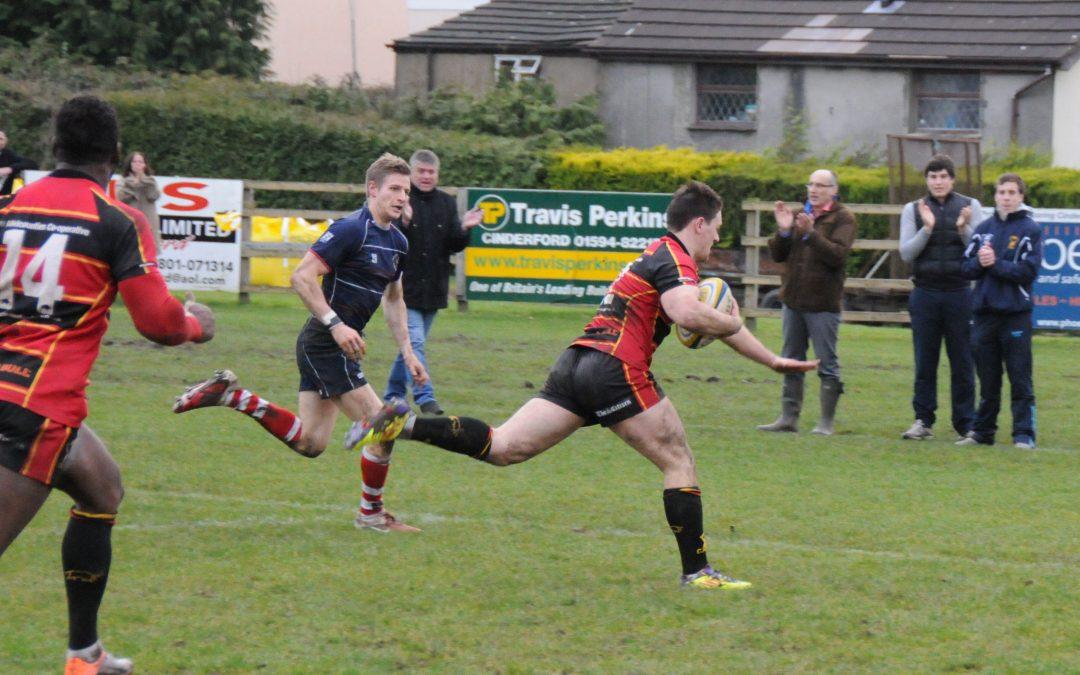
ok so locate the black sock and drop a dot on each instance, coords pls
(683, 509)
(463, 435)
(86, 554)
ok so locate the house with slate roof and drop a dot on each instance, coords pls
(725, 74)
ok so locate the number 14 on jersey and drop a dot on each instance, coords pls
(45, 265)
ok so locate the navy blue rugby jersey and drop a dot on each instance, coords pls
(363, 259)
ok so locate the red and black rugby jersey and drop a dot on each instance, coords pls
(630, 323)
(66, 245)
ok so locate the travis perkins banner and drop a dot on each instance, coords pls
(557, 246)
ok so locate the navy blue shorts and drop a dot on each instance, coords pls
(326, 369)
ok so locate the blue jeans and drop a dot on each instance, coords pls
(1004, 339)
(938, 315)
(400, 379)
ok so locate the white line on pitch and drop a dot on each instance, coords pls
(613, 532)
(1002, 449)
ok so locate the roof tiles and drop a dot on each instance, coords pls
(1018, 32)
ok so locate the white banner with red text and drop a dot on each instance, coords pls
(200, 230)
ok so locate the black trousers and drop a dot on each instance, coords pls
(1004, 340)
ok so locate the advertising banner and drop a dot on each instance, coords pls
(1057, 290)
(200, 231)
(556, 246)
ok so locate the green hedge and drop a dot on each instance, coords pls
(25, 122)
(734, 175)
(276, 145)
(739, 175)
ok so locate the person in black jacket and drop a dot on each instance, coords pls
(11, 165)
(933, 233)
(434, 231)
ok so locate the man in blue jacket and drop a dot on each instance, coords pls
(1004, 257)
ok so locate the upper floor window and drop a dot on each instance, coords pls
(515, 67)
(727, 96)
(948, 101)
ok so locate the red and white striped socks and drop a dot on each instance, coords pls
(373, 472)
(281, 422)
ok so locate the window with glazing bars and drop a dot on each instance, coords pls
(727, 95)
(948, 101)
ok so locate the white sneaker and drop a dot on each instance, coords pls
(918, 432)
(970, 439)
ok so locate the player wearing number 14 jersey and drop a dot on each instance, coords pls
(604, 378)
(67, 248)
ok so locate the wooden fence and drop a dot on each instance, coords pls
(283, 249)
(753, 241)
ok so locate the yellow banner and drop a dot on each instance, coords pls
(276, 271)
(545, 264)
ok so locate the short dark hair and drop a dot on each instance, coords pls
(693, 200)
(940, 162)
(85, 131)
(1012, 178)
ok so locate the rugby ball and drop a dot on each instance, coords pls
(716, 293)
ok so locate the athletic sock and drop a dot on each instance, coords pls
(463, 435)
(683, 509)
(86, 554)
(373, 472)
(281, 422)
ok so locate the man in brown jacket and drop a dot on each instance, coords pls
(815, 244)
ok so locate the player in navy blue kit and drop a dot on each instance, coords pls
(360, 259)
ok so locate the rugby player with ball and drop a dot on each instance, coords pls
(604, 378)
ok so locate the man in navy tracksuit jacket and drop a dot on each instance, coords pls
(1004, 257)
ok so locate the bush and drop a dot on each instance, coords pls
(740, 175)
(284, 145)
(524, 110)
(736, 176)
(160, 35)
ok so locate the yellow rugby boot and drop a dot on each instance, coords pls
(710, 579)
(385, 426)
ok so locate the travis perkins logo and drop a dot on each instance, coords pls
(494, 210)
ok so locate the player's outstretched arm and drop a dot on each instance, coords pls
(744, 342)
(682, 306)
(393, 304)
(160, 317)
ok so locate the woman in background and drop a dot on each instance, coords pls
(139, 189)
